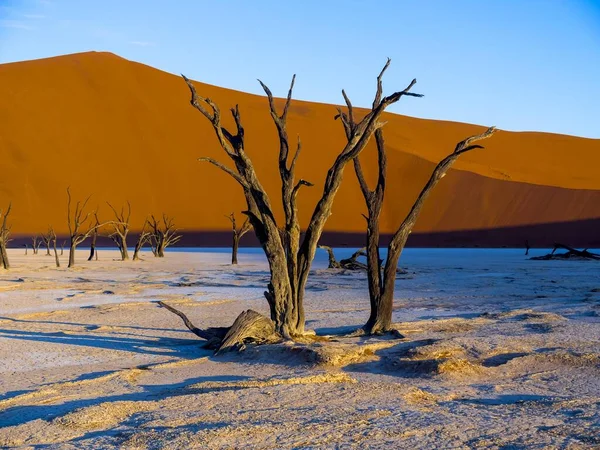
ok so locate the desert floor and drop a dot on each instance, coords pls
(499, 352)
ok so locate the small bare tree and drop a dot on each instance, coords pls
(382, 277)
(76, 219)
(162, 234)
(94, 236)
(52, 241)
(121, 229)
(237, 235)
(4, 237)
(35, 244)
(144, 237)
(47, 240)
(62, 247)
(288, 256)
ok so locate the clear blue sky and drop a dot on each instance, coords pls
(517, 64)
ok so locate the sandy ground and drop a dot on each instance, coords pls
(499, 352)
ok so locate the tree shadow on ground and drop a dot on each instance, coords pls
(20, 414)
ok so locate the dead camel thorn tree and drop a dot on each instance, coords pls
(382, 277)
(36, 242)
(144, 237)
(47, 240)
(94, 237)
(237, 235)
(76, 219)
(162, 234)
(347, 263)
(121, 230)
(51, 235)
(4, 237)
(288, 256)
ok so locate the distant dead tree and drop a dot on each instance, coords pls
(144, 237)
(347, 263)
(47, 240)
(62, 247)
(76, 219)
(4, 237)
(288, 256)
(52, 239)
(162, 234)
(36, 242)
(527, 247)
(25, 245)
(237, 235)
(571, 253)
(94, 237)
(121, 229)
(382, 277)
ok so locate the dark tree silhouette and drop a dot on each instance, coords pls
(76, 219)
(162, 234)
(289, 256)
(121, 229)
(382, 277)
(237, 235)
(4, 237)
(144, 237)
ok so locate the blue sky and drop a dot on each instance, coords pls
(517, 64)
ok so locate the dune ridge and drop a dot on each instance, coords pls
(122, 131)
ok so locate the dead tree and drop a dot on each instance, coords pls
(382, 277)
(237, 235)
(46, 239)
(25, 245)
(35, 244)
(4, 237)
(52, 241)
(347, 263)
(162, 234)
(76, 219)
(144, 237)
(527, 247)
(121, 230)
(62, 247)
(571, 253)
(94, 236)
(288, 256)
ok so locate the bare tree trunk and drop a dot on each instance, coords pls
(4, 237)
(4, 257)
(72, 248)
(56, 255)
(52, 239)
(237, 235)
(234, 249)
(62, 247)
(25, 245)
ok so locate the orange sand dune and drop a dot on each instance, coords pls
(124, 131)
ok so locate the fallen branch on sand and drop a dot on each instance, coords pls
(349, 263)
(249, 326)
(571, 253)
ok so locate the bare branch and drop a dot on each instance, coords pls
(226, 169)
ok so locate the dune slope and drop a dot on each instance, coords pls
(123, 131)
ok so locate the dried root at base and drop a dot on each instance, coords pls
(249, 327)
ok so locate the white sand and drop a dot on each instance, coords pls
(500, 352)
